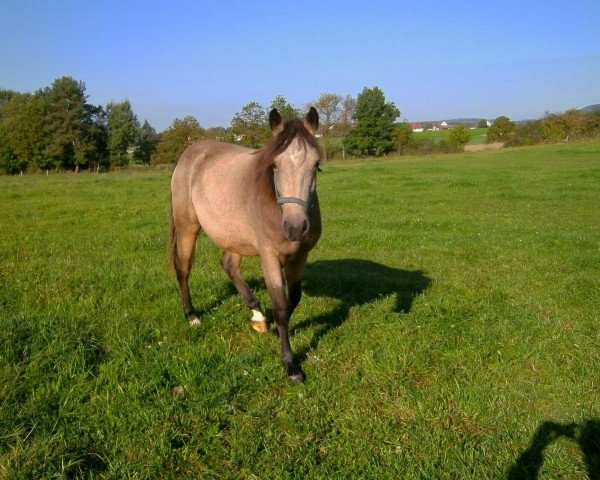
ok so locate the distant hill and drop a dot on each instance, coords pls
(470, 122)
(464, 121)
(591, 108)
(473, 122)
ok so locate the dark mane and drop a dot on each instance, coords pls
(281, 141)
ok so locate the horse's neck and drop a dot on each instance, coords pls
(263, 183)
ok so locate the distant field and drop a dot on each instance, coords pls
(449, 329)
(478, 135)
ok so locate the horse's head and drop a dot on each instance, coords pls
(295, 163)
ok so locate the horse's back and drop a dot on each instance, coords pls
(198, 157)
(205, 151)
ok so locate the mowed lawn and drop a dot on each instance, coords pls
(449, 329)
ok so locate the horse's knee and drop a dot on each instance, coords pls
(182, 269)
(281, 315)
(226, 262)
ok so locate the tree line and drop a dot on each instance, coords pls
(572, 125)
(365, 125)
(55, 128)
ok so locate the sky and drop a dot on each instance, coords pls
(434, 59)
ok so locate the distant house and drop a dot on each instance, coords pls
(440, 126)
(416, 127)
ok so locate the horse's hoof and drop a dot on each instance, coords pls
(194, 322)
(297, 377)
(260, 326)
(295, 374)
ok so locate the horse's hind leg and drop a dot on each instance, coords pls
(231, 264)
(183, 247)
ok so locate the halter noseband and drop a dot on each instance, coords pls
(281, 199)
(296, 200)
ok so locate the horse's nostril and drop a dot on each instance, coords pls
(305, 228)
(295, 231)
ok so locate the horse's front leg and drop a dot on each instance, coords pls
(231, 264)
(293, 276)
(281, 312)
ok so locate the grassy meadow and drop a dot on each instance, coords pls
(449, 329)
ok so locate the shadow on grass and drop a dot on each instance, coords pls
(587, 436)
(355, 282)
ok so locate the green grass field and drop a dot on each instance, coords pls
(449, 330)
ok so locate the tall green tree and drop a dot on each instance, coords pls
(175, 139)
(22, 123)
(147, 139)
(123, 127)
(96, 147)
(9, 162)
(69, 124)
(374, 132)
(250, 127)
(5, 97)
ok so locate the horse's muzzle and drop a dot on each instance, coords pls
(295, 230)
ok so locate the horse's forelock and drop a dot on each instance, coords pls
(281, 141)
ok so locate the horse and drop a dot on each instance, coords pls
(252, 203)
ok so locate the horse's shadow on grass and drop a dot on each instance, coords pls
(586, 435)
(355, 282)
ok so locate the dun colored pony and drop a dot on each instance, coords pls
(252, 202)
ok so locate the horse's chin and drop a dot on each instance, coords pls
(295, 239)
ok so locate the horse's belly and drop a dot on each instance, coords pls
(228, 233)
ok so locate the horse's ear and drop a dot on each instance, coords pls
(275, 121)
(311, 122)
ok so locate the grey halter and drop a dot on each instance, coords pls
(281, 199)
(296, 200)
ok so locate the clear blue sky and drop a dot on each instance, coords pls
(434, 59)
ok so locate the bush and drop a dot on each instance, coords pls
(459, 136)
(527, 133)
(501, 130)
